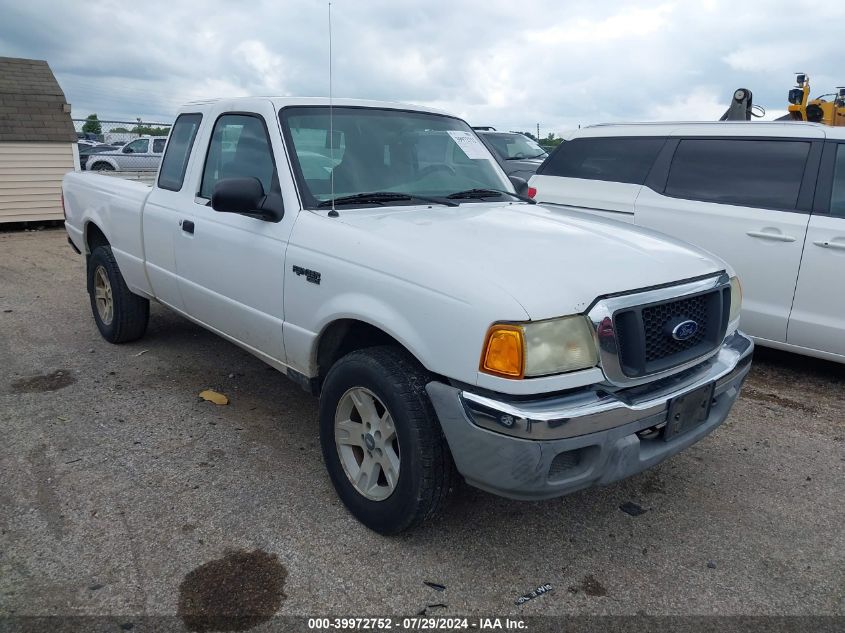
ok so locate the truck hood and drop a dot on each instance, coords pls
(552, 262)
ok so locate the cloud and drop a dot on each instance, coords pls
(491, 61)
(702, 104)
(628, 24)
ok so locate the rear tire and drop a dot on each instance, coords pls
(102, 167)
(404, 432)
(120, 315)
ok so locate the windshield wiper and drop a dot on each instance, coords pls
(526, 157)
(470, 194)
(381, 197)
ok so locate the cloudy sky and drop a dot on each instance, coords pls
(495, 62)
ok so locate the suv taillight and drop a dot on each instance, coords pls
(532, 192)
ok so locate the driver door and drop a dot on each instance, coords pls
(231, 266)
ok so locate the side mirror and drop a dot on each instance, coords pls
(246, 196)
(520, 184)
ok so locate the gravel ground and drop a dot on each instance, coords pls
(122, 493)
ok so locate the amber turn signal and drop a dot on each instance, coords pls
(504, 352)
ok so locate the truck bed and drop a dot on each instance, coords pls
(114, 205)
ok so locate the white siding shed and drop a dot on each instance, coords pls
(37, 141)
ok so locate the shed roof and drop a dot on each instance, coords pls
(32, 104)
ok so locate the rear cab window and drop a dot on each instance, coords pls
(613, 159)
(747, 172)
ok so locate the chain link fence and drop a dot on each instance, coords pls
(131, 149)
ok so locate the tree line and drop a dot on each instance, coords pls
(92, 125)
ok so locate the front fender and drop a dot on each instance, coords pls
(439, 315)
(443, 333)
(376, 312)
(301, 343)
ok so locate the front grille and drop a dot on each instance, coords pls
(644, 333)
(657, 318)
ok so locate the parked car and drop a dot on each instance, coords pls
(767, 197)
(89, 138)
(517, 154)
(142, 154)
(444, 320)
(85, 152)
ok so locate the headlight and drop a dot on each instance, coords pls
(540, 348)
(736, 299)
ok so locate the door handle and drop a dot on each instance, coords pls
(187, 226)
(836, 245)
(778, 237)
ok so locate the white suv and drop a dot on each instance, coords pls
(767, 197)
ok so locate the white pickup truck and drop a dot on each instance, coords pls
(379, 256)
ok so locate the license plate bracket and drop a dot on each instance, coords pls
(688, 411)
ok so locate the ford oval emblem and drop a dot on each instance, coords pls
(685, 330)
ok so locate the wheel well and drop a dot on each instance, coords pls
(94, 237)
(348, 335)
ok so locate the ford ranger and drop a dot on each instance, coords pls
(379, 256)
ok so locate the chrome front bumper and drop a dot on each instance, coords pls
(554, 445)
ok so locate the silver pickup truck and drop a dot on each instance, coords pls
(142, 154)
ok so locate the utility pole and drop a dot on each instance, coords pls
(538, 131)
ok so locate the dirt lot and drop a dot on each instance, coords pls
(123, 493)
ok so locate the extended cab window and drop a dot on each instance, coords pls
(138, 146)
(837, 197)
(239, 148)
(752, 173)
(175, 161)
(158, 145)
(614, 159)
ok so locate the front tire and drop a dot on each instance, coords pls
(382, 443)
(120, 315)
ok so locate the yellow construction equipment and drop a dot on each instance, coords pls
(818, 110)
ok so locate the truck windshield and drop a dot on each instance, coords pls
(514, 146)
(382, 150)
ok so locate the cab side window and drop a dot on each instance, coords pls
(158, 145)
(138, 146)
(752, 173)
(239, 148)
(837, 196)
